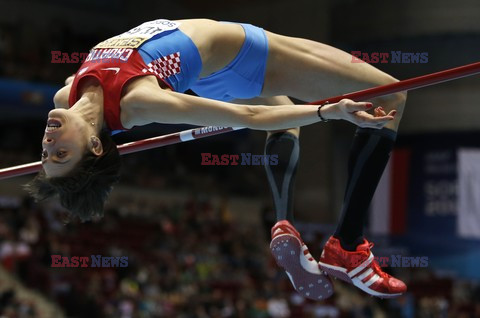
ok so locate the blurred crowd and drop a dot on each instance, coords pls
(13, 306)
(186, 259)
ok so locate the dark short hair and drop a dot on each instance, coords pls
(84, 190)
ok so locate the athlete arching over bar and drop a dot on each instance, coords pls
(139, 77)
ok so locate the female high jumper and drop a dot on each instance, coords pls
(140, 77)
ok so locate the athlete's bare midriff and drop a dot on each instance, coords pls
(217, 42)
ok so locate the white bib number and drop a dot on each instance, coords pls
(135, 37)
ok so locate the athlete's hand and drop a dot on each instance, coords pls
(356, 113)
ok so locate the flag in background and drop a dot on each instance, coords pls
(388, 214)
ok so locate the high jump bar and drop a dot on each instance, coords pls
(197, 133)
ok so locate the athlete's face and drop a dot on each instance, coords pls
(64, 143)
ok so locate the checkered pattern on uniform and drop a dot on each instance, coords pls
(164, 66)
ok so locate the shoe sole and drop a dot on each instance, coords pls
(287, 250)
(341, 273)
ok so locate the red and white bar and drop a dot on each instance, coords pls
(174, 138)
(197, 133)
(408, 84)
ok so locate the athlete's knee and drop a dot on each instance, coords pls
(399, 99)
(395, 101)
(400, 96)
(399, 104)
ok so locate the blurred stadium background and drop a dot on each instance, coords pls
(197, 237)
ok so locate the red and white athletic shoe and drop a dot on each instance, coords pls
(360, 269)
(292, 254)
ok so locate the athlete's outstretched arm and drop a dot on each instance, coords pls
(145, 105)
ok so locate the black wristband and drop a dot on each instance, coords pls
(319, 114)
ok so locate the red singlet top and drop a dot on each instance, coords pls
(112, 74)
(117, 60)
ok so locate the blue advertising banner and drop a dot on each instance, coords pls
(432, 202)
